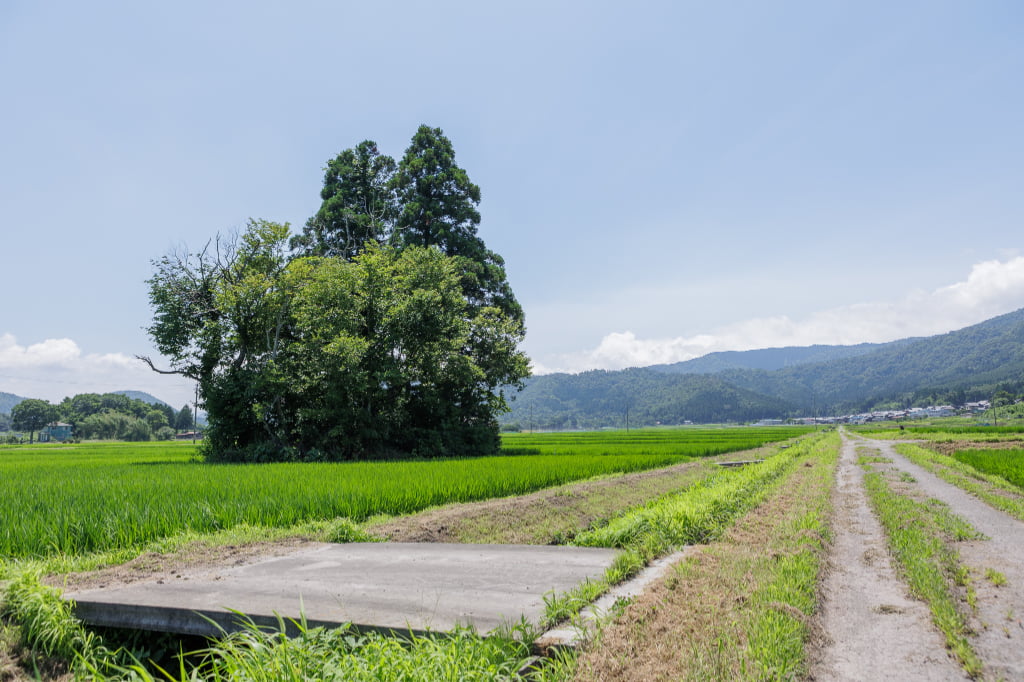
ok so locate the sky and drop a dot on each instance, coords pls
(663, 179)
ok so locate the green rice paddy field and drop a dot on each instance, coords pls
(79, 499)
(1007, 463)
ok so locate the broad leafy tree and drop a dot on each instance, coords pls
(32, 415)
(220, 318)
(326, 358)
(387, 326)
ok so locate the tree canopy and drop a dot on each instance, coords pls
(349, 340)
(31, 415)
(358, 204)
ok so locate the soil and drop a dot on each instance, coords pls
(196, 559)
(997, 618)
(868, 627)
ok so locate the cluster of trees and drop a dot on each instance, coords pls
(385, 327)
(107, 416)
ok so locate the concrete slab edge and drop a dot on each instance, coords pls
(214, 622)
(572, 635)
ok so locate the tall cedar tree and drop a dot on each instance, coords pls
(358, 204)
(438, 207)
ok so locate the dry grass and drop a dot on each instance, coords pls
(552, 516)
(716, 613)
(17, 664)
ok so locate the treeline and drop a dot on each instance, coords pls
(106, 416)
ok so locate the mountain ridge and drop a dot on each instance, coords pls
(968, 363)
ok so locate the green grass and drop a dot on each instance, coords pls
(920, 536)
(691, 442)
(994, 490)
(1008, 464)
(75, 500)
(696, 515)
(740, 607)
(343, 655)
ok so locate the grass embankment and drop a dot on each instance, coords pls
(695, 515)
(738, 607)
(921, 537)
(994, 490)
(552, 516)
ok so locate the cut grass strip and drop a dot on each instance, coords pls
(739, 607)
(919, 539)
(994, 490)
(696, 515)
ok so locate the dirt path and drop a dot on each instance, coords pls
(998, 618)
(870, 629)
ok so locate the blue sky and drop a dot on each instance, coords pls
(663, 179)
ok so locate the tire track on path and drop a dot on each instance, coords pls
(997, 620)
(869, 627)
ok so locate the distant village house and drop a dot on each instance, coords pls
(58, 432)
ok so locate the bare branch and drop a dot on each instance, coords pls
(153, 367)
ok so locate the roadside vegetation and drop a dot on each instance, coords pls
(738, 607)
(921, 536)
(160, 491)
(38, 622)
(994, 490)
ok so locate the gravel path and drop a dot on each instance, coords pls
(998, 618)
(869, 627)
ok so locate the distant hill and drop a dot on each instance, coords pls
(771, 358)
(8, 401)
(967, 364)
(599, 398)
(143, 396)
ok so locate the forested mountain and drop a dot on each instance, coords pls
(599, 398)
(7, 401)
(968, 364)
(771, 358)
(143, 396)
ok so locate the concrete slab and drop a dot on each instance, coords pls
(374, 586)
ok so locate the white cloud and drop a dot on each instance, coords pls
(992, 288)
(55, 368)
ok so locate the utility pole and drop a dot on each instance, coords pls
(195, 414)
